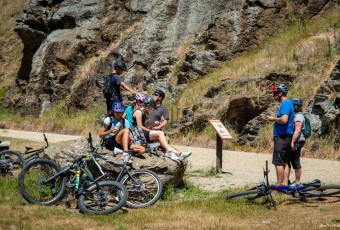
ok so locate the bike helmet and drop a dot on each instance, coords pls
(118, 106)
(140, 97)
(297, 102)
(119, 63)
(281, 88)
(149, 101)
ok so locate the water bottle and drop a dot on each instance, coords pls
(117, 126)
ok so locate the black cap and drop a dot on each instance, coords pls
(160, 93)
(119, 63)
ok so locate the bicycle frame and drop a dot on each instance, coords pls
(35, 152)
(81, 169)
(123, 167)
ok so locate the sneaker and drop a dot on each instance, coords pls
(126, 158)
(295, 184)
(117, 151)
(184, 155)
(172, 155)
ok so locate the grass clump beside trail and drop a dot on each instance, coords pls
(180, 208)
(185, 208)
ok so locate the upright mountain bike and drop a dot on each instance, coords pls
(144, 186)
(42, 181)
(313, 189)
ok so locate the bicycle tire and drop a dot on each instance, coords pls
(32, 158)
(249, 195)
(12, 159)
(144, 188)
(31, 184)
(322, 191)
(106, 198)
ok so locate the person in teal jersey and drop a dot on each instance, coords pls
(283, 133)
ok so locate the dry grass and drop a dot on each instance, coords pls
(285, 52)
(181, 211)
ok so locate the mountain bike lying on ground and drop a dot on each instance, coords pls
(11, 159)
(303, 191)
(144, 186)
(42, 181)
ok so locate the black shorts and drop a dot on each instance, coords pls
(295, 155)
(282, 150)
(111, 143)
(147, 136)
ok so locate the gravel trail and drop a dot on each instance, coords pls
(239, 168)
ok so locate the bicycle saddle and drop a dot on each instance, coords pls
(28, 148)
(314, 183)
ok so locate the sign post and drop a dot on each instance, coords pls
(221, 134)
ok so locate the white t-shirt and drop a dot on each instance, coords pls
(299, 117)
(107, 122)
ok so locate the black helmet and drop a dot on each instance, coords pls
(149, 101)
(297, 102)
(160, 93)
(119, 63)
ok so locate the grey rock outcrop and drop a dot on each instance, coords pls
(324, 108)
(171, 172)
(69, 45)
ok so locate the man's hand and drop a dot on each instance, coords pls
(270, 118)
(292, 146)
(113, 130)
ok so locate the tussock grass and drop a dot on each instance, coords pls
(184, 208)
(305, 43)
(58, 120)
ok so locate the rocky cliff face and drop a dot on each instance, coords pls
(324, 108)
(70, 44)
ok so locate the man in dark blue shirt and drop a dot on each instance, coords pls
(283, 133)
(116, 81)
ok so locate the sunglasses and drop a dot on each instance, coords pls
(156, 94)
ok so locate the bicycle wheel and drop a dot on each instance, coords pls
(144, 188)
(249, 195)
(103, 197)
(33, 186)
(322, 191)
(11, 161)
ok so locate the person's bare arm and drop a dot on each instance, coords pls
(138, 115)
(280, 120)
(103, 132)
(122, 84)
(162, 125)
(297, 132)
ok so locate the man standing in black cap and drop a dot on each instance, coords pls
(113, 83)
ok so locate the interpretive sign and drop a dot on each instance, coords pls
(220, 129)
(221, 134)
